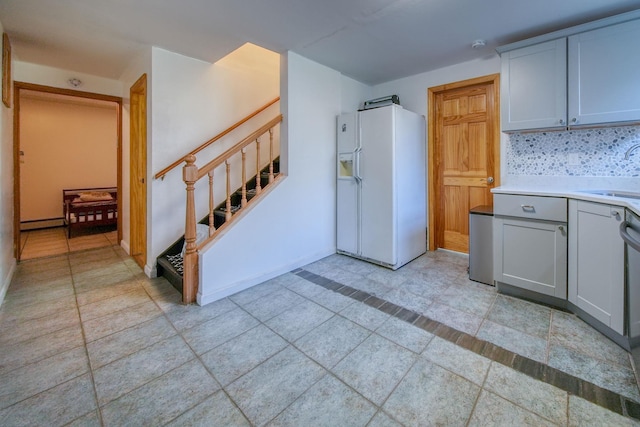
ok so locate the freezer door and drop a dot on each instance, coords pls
(377, 169)
(347, 239)
(348, 189)
(347, 132)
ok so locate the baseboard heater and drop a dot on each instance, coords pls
(36, 224)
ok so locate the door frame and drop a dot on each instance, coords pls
(17, 87)
(138, 135)
(433, 167)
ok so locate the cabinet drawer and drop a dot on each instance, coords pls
(534, 207)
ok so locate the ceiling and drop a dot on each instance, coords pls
(372, 41)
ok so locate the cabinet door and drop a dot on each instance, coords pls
(603, 75)
(531, 255)
(534, 87)
(596, 261)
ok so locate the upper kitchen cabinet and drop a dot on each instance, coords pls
(603, 75)
(581, 76)
(534, 87)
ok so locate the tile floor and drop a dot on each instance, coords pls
(86, 339)
(53, 241)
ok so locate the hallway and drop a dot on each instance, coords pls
(54, 241)
(87, 339)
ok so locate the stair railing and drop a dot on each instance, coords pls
(225, 132)
(192, 173)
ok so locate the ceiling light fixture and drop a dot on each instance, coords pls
(477, 44)
(74, 82)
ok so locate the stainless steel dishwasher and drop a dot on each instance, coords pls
(630, 233)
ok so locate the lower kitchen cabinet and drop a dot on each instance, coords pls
(596, 261)
(531, 255)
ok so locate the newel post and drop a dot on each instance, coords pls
(190, 271)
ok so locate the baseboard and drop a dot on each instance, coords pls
(7, 281)
(151, 271)
(204, 299)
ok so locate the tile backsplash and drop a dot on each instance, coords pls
(578, 153)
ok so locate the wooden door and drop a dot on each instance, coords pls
(138, 171)
(464, 150)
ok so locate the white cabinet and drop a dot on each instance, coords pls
(596, 262)
(603, 75)
(534, 87)
(584, 79)
(530, 243)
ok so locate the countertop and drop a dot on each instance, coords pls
(631, 204)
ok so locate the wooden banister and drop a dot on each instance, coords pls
(192, 174)
(204, 170)
(181, 160)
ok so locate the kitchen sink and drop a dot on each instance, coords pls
(613, 193)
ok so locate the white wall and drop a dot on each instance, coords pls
(7, 261)
(192, 101)
(48, 76)
(412, 90)
(354, 94)
(295, 223)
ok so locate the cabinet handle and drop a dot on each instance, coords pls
(561, 121)
(528, 208)
(628, 239)
(574, 120)
(561, 228)
(615, 213)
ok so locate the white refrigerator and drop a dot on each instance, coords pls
(381, 185)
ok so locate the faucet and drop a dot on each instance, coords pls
(628, 153)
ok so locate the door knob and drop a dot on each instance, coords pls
(490, 180)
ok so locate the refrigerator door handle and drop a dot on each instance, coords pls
(356, 164)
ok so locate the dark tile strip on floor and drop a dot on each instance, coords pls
(573, 385)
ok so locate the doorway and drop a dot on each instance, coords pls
(27, 92)
(138, 156)
(464, 156)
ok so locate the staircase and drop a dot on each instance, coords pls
(256, 154)
(170, 262)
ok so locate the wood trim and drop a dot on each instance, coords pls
(433, 167)
(119, 169)
(16, 171)
(173, 165)
(6, 70)
(240, 145)
(17, 87)
(69, 92)
(138, 207)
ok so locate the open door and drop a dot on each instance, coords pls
(138, 171)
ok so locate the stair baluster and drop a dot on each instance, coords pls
(271, 176)
(258, 180)
(244, 178)
(212, 227)
(190, 272)
(227, 215)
